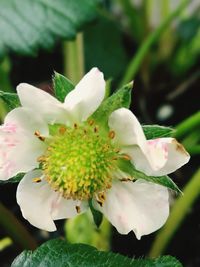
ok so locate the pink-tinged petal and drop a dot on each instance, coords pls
(176, 156)
(25, 119)
(48, 107)
(40, 205)
(142, 207)
(153, 157)
(87, 96)
(166, 150)
(19, 147)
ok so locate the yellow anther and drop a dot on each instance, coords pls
(96, 129)
(78, 209)
(62, 130)
(111, 134)
(126, 157)
(37, 133)
(91, 122)
(125, 179)
(37, 180)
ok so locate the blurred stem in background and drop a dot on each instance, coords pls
(4, 243)
(15, 229)
(188, 131)
(73, 57)
(5, 83)
(180, 209)
(138, 58)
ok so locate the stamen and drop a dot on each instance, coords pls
(101, 197)
(111, 134)
(75, 126)
(62, 129)
(37, 133)
(91, 122)
(78, 209)
(126, 157)
(125, 179)
(96, 129)
(37, 180)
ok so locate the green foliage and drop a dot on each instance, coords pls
(15, 179)
(59, 253)
(27, 25)
(97, 216)
(121, 98)
(105, 50)
(11, 99)
(157, 131)
(62, 86)
(164, 180)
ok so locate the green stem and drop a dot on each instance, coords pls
(134, 19)
(178, 213)
(73, 54)
(15, 229)
(187, 125)
(151, 39)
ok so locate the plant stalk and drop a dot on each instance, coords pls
(137, 60)
(179, 211)
(16, 230)
(73, 56)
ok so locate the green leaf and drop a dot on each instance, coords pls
(62, 86)
(11, 99)
(26, 25)
(121, 98)
(157, 131)
(97, 216)
(164, 180)
(15, 179)
(109, 48)
(59, 253)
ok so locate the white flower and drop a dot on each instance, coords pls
(69, 160)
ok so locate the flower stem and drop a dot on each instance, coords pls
(73, 55)
(15, 229)
(187, 125)
(151, 39)
(178, 213)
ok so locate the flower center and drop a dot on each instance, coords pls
(78, 161)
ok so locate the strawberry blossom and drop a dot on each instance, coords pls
(70, 159)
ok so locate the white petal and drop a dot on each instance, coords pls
(153, 157)
(20, 148)
(40, 205)
(87, 96)
(26, 120)
(35, 201)
(42, 103)
(162, 150)
(127, 129)
(140, 206)
(67, 208)
(176, 155)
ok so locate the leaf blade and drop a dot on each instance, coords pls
(121, 98)
(62, 86)
(164, 180)
(57, 252)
